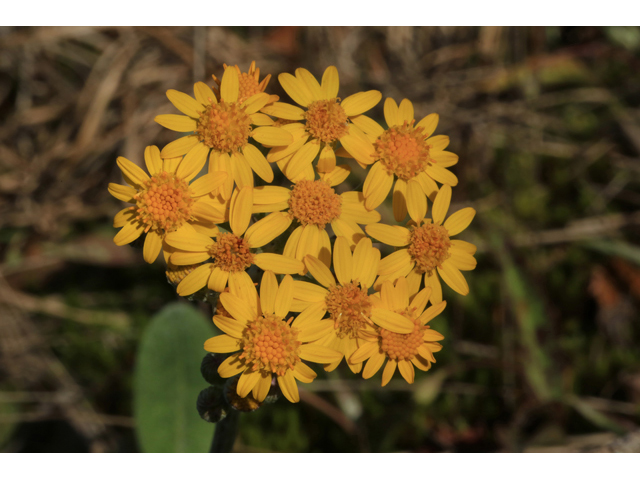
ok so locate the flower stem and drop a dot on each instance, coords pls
(225, 434)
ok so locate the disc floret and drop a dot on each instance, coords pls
(231, 253)
(349, 306)
(164, 203)
(326, 120)
(224, 127)
(403, 151)
(314, 203)
(429, 246)
(402, 346)
(270, 344)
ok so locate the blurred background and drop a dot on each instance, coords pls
(542, 355)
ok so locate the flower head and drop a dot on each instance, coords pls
(401, 350)
(405, 151)
(250, 83)
(223, 125)
(268, 344)
(314, 205)
(164, 202)
(430, 251)
(231, 253)
(325, 119)
(345, 297)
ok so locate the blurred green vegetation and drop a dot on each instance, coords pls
(541, 353)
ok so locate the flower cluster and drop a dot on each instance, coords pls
(325, 295)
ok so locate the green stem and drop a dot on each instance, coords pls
(226, 431)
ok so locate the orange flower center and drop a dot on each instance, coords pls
(164, 203)
(402, 346)
(326, 120)
(403, 151)
(249, 86)
(429, 246)
(270, 344)
(348, 306)
(225, 127)
(231, 253)
(314, 203)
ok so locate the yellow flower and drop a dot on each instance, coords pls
(429, 249)
(224, 129)
(231, 254)
(407, 153)
(347, 301)
(401, 350)
(164, 202)
(250, 84)
(314, 204)
(326, 119)
(269, 345)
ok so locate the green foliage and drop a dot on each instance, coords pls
(167, 382)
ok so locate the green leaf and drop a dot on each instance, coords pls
(167, 382)
(615, 247)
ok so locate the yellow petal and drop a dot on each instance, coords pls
(272, 136)
(261, 120)
(218, 280)
(324, 248)
(240, 210)
(261, 390)
(342, 260)
(124, 216)
(278, 263)
(436, 288)
(377, 186)
(355, 211)
(405, 111)
(195, 280)
(302, 159)
(395, 262)
(441, 205)
(373, 365)
(437, 143)
(367, 125)
(428, 184)
(254, 103)
(193, 162)
(152, 159)
(241, 285)
(268, 291)
(319, 271)
(189, 258)
(222, 344)
(365, 262)
(318, 354)
(470, 248)
(284, 297)
(304, 373)
(309, 242)
(207, 183)
(248, 379)
(177, 123)
(266, 229)
(132, 171)
(399, 201)
(179, 147)
(231, 367)
(186, 104)
(237, 307)
(462, 260)
(364, 352)
(284, 110)
(359, 148)
(204, 94)
(242, 173)
(419, 302)
(361, 102)
(152, 246)
(310, 82)
(295, 89)
(452, 277)
(230, 326)
(391, 114)
(327, 160)
(308, 292)
(310, 315)
(393, 235)
(407, 371)
(444, 159)
(336, 176)
(348, 229)
(316, 330)
(330, 83)
(287, 384)
(258, 163)
(432, 336)
(460, 220)
(291, 246)
(432, 312)
(391, 320)
(122, 192)
(127, 234)
(441, 175)
(416, 201)
(230, 85)
(389, 370)
(429, 124)
(184, 239)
